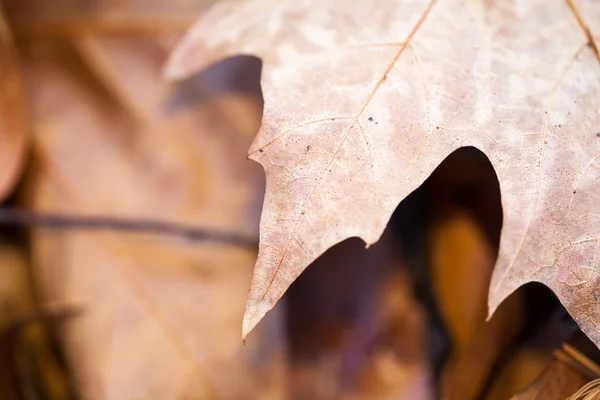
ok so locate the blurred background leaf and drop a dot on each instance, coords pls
(14, 135)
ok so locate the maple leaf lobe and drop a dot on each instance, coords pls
(438, 76)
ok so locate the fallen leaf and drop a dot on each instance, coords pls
(557, 382)
(159, 314)
(15, 290)
(15, 297)
(395, 365)
(461, 261)
(572, 374)
(364, 100)
(530, 360)
(360, 337)
(13, 119)
(72, 17)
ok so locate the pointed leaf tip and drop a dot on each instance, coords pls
(186, 58)
(172, 69)
(253, 315)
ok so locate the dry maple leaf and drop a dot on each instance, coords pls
(364, 100)
(13, 119)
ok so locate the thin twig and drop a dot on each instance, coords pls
(21, 217)
(41, 312)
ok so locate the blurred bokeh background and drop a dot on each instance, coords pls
(129, 231)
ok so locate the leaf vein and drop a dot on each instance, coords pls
(414, 30)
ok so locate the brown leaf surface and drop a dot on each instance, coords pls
(13, 119)
(461, 268)
(360, 337)
(460, 250)
(364, 100)
(558, 382)
(75, 16)
(159, 314)
(15, 293)
(15, 297)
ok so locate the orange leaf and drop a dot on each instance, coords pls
(13, 119)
